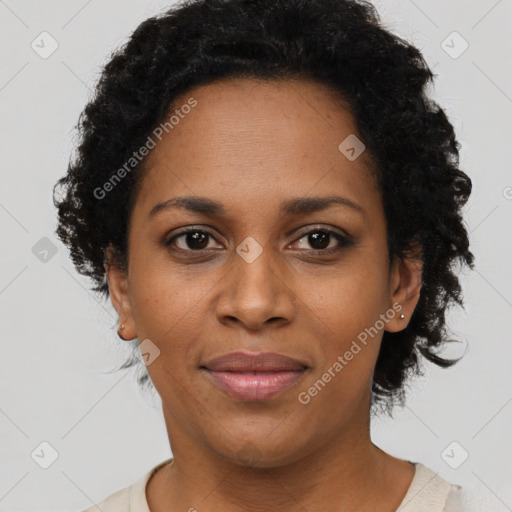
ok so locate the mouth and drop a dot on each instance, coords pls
(247, 376)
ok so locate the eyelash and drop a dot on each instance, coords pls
(342, 239)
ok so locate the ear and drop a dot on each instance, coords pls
(119, 295)
(405, 286)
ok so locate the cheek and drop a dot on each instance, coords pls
(167, 310)
(347, 311)
(347, 343)
(350, 299)
(164, 301)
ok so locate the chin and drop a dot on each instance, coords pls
(261, 451)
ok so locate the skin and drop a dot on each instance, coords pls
(251, 145)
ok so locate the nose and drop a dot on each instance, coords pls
(256, 294)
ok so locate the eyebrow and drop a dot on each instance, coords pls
(290, 207)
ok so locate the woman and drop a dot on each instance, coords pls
(273, 205)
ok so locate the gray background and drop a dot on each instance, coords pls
(59, 342)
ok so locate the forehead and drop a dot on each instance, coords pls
(277, 111)
(250, 137)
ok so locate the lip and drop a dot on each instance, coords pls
(249, 376)
(241, 361)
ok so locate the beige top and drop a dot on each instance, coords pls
(428, 492)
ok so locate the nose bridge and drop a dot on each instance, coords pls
(255, 291)
(255, 278)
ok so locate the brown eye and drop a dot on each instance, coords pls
(320, 240)
(192, 239)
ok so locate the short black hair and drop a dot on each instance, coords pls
(340, 43)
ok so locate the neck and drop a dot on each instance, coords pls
(347, 472)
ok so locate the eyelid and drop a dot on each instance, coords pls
(188, 229)
(344, 240)
(319, 227)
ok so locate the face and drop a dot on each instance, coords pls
(261, 261)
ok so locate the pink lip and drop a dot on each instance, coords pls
(255, 385)
(247, 376)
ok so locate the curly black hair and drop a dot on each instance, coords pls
(339, 43)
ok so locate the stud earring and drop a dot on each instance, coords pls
(402, 316)
(121, 328)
